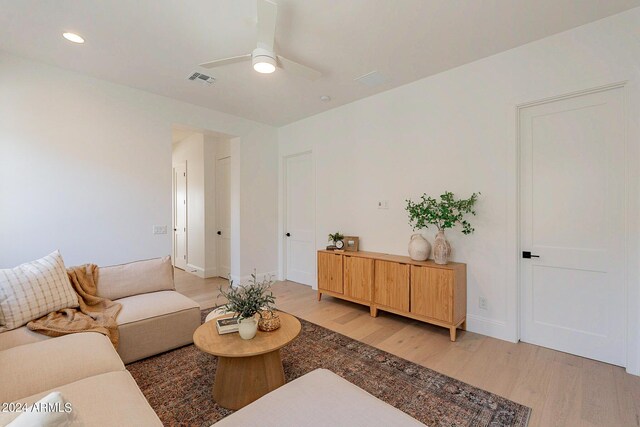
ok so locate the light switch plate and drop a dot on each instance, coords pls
(159, 229)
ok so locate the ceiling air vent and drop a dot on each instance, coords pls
(199, 77)
(374, 78)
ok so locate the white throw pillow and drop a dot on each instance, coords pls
(33, 290)
(53, 410)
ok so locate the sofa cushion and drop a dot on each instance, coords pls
(34, 289)
(319, 398)
(110, 399)
(154, 304)
(156, 322)
(29, 369)
(20, 336)
(53, 410)
(134, 278)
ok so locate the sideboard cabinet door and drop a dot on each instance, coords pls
(432, 292)
(330, 272)
(391, 287)
(358, 277)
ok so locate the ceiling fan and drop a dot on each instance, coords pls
(263, 57)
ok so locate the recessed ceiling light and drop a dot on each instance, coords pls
(325, 98)
(73, 37)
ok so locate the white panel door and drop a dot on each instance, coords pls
(223, 215)
(573, 224)
(300, 257)
(180, 216)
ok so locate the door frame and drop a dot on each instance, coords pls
(282, 240)
(632, 364)
(174, 211)
(217, 159)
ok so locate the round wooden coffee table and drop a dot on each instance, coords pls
(247, 369)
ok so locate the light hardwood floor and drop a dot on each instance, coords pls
(562, 389)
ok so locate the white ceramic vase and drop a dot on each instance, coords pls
(441, 249)
(248, 328)
(419, 248)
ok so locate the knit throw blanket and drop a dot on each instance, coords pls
(94, 314)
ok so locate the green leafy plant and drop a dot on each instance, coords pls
(333, 238)
(247, 300)
(445, 213)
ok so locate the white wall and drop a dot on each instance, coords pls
(457, 131)
(85, 167)
(258, 210)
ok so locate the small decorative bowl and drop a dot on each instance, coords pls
(269, 321)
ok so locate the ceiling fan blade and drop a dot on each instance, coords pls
(298, 69)
(267, 13)
(226, 61)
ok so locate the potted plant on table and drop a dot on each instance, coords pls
(249, 300)
(444, 213)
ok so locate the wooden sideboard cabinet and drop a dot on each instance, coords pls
(330, 272)
(358, 277)
(392, 285)
(421, 290)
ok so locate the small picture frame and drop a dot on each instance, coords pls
(351, 243)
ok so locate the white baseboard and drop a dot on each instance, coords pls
(490, 327)
(210, 272)
(201, 272)
(194, 269)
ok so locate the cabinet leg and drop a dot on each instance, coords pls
(319, 295)
(463, 325)
(452, 333)
(373, 311)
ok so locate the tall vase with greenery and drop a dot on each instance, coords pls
(248, 300)
(444, 213)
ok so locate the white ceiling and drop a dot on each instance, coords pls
(153, 45)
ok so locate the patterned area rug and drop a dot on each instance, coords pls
(178, 383)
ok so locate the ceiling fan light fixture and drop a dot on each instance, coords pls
(263, 61)
(264, 67)
(263, 58)
(73, 37)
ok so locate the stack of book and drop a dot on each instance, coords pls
(227, 325)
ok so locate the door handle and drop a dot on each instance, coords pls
(527, 254)
(175, 229)
(219, 233)
(288, 234)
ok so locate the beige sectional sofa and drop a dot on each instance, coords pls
(90, 374)
(84, 367)
(86, 370)
(154, 317)
(317, 399)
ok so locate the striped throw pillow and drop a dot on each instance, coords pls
(34, 289)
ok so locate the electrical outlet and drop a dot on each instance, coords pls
(383, 204)
(159, 229)
(482, 303)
